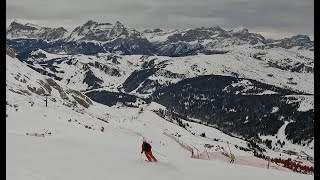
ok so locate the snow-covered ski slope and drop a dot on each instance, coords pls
(75, 148)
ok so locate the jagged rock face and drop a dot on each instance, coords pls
(157, 30)
(244, 35)
(101, 32)
(196, 34)
(179, 49)
(10, 52)
(17, 30)
(301, 41)
(132, 45)
(209, 39)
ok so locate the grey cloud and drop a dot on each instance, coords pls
(293, 16)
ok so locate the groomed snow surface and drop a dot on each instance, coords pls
(75, 152)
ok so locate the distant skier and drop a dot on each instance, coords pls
(146, 148)
(232, 158)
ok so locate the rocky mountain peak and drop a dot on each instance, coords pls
(301, 39)
(156, 30)
(93, 31)
(240, 29)
(16, 25)
(119, 24)
(120, 30)
(90, 23)
(216, 28)
(62, 29)
(18, 30)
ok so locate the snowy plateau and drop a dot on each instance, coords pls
(196, 95)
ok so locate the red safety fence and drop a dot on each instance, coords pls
(183, 145)
(253, 161)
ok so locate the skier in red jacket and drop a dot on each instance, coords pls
(146, 148)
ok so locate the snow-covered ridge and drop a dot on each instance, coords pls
(240, 29)
(244, 63)
(23, 81)
(18, 30)
(93, 31)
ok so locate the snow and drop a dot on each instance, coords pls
(288, 144)
(48, 55)
(239, 29)
(62, 155)
(104, 156)
(275, 109)
(267, 92)
(16, 33)
(33, 25)
(160, 37)
(306, 101)
(306, 104)
(236, 61)
(72, 151)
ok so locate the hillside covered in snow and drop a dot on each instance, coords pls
(64, 140)
(249, 78)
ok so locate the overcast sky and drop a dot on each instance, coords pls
(271, 18)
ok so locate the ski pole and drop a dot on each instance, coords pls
(159, 153)
(207, 153)
(229, 148)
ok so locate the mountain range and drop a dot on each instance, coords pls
(93, 37)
